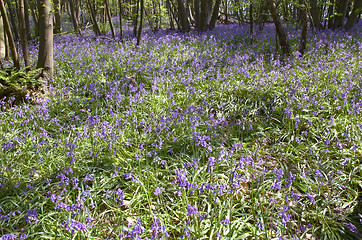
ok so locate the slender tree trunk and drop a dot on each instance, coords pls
(204, 15)
(353, 17)
(7, 54)
(45, 55)
(120, 18)
(92, 12)
(226, 10)
(58, 24)
(14, 53)
(282, 35)
(2, 39)
(27, 20)
(35, 19)
(23, 35)
(73, 17)
(185, 25)
(251, 18)
(108, 10)
(139, 33)
(330, 13)
(12, 14)
(172, 16)
(215, 14)
(341, 13)
(197, 13)
(314, 11)
(135, 17)
(303, 37)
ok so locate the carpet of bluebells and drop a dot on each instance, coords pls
(192, 135)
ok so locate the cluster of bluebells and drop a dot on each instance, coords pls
(131, 107)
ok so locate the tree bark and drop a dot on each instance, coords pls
(215, 14)
(135, 17)
(2, 39)
(96, 30)
(58, 24)
(204, 15)
(330, 13)
(353, 17)
(27, 20)
(23, 35)
(282, 35)
(139, 33)
(14, 53)
(226, 11)
(12, 14)
(197, 13)
(172, 16)
(73, 17)
(35, 19)
(185, 25)
(303, 37)
(120, 18)
(251, 18)
(45, 55)
(108, 10)
(341, 13)
(314, 11)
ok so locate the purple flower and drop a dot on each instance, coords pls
(191, 210)
(30, 216)
(9, 236)
(351, 227)
(311, 198)
(74, 225)
(158, 190)
(225, 222)
(284, 215)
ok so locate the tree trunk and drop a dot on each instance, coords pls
(92, 12)
(73, 17)
(303, 36)
(58, 24)
(353, 17)
(172, 16)
(330, 13)
(204, 15)
(108, 10)
(14, 53)
(282, 35)
(23, 35)
(45, 55)
(341, 13)
(182, 15)
(35, 19)
(226, 12)
(2, 38)
(27, 20)
(197, 13)
(139, 33)
(251, 18)
(12, 14)
(135, 17)
(120, 18)
(314, 11)
(215, 14)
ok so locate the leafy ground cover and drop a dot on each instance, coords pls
(193, 136)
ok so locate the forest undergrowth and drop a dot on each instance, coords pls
(193, 135)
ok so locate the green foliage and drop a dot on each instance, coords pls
(18, 83)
